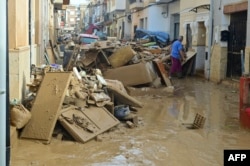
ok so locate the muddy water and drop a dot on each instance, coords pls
(162, 137)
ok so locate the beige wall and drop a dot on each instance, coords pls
(192, 3)
(38, 22)
(218, 63)
(18, 23)
(136, 20)
(19, 49)
(201, 34)
(51, 22)
(147, 2)
(192, 18)
(19, 62)
(247, 60)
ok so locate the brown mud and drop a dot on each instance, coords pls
(161, 138)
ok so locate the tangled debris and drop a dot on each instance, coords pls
(86, 93)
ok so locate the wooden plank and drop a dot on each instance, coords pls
(94, 121)
(52, 59)
(190, 67)
(124, 98)
(105, 56)
(73, 58)
(47, 105)
(53, 51)
(190, 54)
(90, 57)
(163, 73)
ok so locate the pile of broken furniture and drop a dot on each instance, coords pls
(84, 104)
(86, 94)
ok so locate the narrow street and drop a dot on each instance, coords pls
(161, 138)
(100, 82)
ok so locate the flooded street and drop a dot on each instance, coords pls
(161, 138)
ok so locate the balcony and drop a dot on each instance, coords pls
(58, 4)
(136, 4)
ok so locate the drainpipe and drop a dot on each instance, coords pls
(210, 40)
(4, 113)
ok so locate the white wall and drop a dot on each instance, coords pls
(77, 2)
(156, 22)
(119, 5)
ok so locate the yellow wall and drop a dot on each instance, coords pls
(190, 17)
(37, 22)
(247, 59)
(218, 63)
(19, 49)
(51, 23)
(192, 3)
(19, 62)
(18, 23)
(136, 20)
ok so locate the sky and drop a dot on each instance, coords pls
(77, 2)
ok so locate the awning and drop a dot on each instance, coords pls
(195, 9)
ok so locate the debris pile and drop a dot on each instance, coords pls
(139, 63)
(86, 94)
(130, 63)
(86, 105)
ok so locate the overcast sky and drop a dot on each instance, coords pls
(77, 2)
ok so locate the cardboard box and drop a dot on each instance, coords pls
(131, 75)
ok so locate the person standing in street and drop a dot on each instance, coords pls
(178, 55)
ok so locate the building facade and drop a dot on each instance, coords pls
(219, 31)
(27, 21)
(31, 26)
(156, 15)
(231, 39)
(194, 26)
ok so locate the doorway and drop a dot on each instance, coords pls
(201, 49)
(188, 37)
(236, 44)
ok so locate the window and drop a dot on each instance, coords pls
(141, 23)
(72, 12)
(132, 1)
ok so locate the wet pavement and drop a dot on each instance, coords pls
(161, 138)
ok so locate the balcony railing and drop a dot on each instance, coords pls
(136, 4)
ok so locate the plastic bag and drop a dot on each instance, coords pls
(19, 116)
